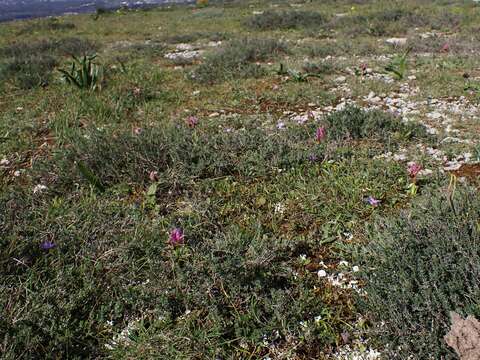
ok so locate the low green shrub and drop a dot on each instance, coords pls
(418, 267)
(355, 123)
(395, 21)
(273, 20)
(63, 47)
(238, 59)
(186, 154)
(192, 37)
(51, 24)
(28, 72)
(30, 64)
(319, 68)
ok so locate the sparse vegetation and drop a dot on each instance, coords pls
(30, 65)
(51, 24)
(273, 20)
(238, 59)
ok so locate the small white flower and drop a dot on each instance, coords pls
(322, 273)
(16, 173)
(4, 162)
(303, 257)
(356, 268)
(39, 188)
(279, 208)
(318, 318)
(281, 125)
(343, 263)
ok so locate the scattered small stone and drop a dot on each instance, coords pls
(322, 273)
(396, 41)
(39, 188)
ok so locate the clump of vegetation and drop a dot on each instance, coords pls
(320, 67)
(398, 66)
(63, 47)
(295, 75)
(128, 157)
(275, 20)
(420, 266)
(323, 49)
(83, 73)
(28, 72)
(30, 65)
(355, 123)
(50, 24)
(380, 23)
(238, 60)
(194, 36)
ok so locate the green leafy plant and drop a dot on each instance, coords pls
(83, 73)
(398, 65)
(295, 75)
(90, 176)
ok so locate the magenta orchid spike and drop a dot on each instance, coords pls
(413, 169)
(320, 134)
(176, 237)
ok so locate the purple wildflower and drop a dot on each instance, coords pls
(176, 237)
(313, 158)
(372, 201)
(192, 121)
(413, 169)
(47, 245)
(320, 134)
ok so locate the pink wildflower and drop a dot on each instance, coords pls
(192, 121)
(176, 237)
(413, 169)
(320, 134)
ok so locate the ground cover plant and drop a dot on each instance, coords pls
(272, 20)
(248, 182)
(31, 64)
(239, 58)
(419, 267)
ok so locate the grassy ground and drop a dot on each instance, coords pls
(245, 127)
